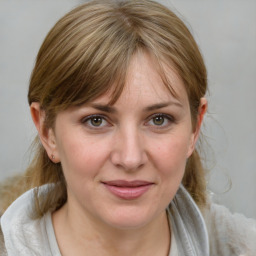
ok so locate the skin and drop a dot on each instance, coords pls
(146, 135)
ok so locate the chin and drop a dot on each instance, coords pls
(130, 219)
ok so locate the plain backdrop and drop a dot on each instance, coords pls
(226, 33)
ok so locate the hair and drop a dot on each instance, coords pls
(86, 54)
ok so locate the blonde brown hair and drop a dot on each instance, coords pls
(88, 52)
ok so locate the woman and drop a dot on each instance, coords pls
(117, 97)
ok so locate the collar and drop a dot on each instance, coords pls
(188, 225)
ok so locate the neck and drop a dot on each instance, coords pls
(77, 235)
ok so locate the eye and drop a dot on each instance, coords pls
(95, 121)
(160, 120)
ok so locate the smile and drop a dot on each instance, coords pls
(128, 190)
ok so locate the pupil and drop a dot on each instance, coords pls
(159, 120)
(96, 121)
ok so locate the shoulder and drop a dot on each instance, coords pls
(21, 233)
(230, 234)
(2, 245)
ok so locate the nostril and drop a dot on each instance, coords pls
(128, 162)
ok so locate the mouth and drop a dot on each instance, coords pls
(128, 190)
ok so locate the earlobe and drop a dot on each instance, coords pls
(200, 116)
(46, 135)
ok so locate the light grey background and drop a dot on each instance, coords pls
(226, 33)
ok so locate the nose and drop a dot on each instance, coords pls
(129, 150)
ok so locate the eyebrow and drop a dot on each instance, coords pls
(162, 105)
(112, 110)
(104, 108)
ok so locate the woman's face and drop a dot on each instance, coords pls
(124, 163)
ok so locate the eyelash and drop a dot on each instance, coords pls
(87, 121)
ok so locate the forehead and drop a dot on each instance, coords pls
(147, 80)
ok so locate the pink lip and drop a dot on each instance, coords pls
(128, 189)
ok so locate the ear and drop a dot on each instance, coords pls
(200, 116)
(46, 135)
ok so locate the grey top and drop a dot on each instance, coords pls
(191, 232)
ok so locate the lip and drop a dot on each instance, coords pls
(128, 190)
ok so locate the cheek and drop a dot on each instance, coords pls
(82, 157)
(170, 161)
(170, 156)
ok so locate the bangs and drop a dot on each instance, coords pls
(113, 79)
(91, 69)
